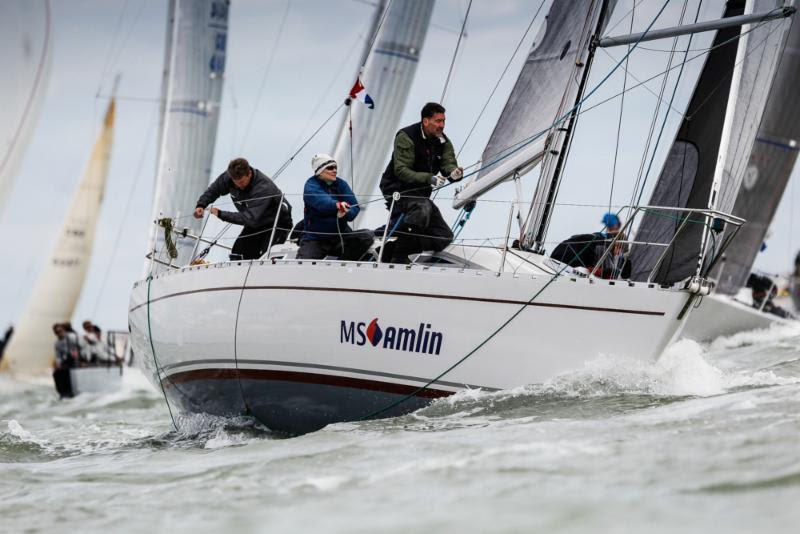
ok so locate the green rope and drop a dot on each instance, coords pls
(166, 224)
(153, 350)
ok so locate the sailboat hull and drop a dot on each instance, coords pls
(303, 344)
(720, 315)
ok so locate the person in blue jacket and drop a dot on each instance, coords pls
(329, 205)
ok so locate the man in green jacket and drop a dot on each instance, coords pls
(423, 158)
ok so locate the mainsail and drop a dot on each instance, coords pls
(197, 33)
(545, 89)
(58, 287)
(25, 55)
(707, 161)
(771, 162)
(365, 138)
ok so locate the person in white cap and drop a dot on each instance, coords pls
(329, 205)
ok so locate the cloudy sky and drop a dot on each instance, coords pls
(317, 46)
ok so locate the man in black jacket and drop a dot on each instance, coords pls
(421, 153)
(257, 200)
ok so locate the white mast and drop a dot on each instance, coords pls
(25, 56)
(59, 285)
(387, 76)
(197, 36)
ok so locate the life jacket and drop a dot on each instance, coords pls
(427, 158)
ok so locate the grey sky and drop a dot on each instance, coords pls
(319, 46)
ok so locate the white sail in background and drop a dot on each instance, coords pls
(58, 287)
(25, 57)
(197, 34)
(387, 76)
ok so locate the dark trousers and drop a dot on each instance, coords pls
(351, 247)
(63, 382)
(252, 243)
(420, 228)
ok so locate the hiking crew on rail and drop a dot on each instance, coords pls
(421, 152)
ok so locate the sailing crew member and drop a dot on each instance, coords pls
(67, 355)
(257, 200)
(421, 153)
(329, 205)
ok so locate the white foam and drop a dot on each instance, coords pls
(775, 333)
(16, 430)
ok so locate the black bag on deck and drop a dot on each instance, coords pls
(579, 250)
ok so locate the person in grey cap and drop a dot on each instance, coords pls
(257, 201)
(329, 205)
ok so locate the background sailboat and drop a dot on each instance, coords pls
(388, 73)
(197, 34)
(58, 287)
(772, 159)
(25, 54)
(707, 161)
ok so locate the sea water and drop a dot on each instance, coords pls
(707, 439)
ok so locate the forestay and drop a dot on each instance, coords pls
(707, 161)
(388, 74)
(546, 87)
(197, 33)
(771, 162)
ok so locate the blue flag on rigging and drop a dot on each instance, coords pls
(359, 93)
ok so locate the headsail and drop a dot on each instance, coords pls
(197, 36)
(58, 287)
(772, 159)
(25, 54)
(545, 89)
(713, 142)
(387, 75)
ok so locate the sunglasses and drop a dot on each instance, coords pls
(330, 168)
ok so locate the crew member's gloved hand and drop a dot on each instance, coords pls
(437, 181)
(342, 208)
(457, 174)
(198, 212)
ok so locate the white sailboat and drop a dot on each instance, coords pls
(26, 55)
(303, 343)
(365, 136)
(194, 68)
(730, 309)
(59, 285)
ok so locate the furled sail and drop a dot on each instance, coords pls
(25, 54)
(771, 162)
(387, 76)
(707, 161)
(545, 89)
(197, 33)
(58, 287)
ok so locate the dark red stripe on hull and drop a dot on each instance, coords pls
(302, 378)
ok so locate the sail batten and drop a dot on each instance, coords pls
(58, 287)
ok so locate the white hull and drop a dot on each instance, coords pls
(101, 379)
(720, 315)
(289, 358)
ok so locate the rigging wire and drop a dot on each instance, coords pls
(552, 278)
(267, 68)
(621, 109)
(130, 196)
(455, 53)
(500, 79)
(642, 176)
